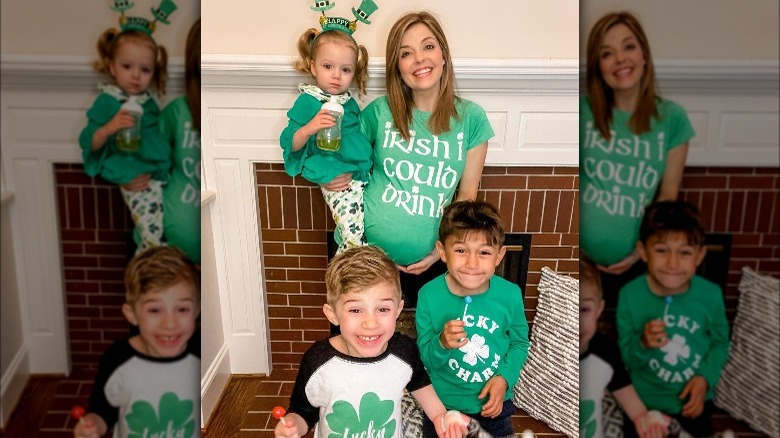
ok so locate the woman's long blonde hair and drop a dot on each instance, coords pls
(601, 96)
(399, 95)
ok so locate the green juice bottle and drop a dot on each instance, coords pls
(129, 139)
(329, 139)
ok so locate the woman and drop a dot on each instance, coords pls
(633, 144)
(428, 143)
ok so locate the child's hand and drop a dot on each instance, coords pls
(122, 119)
(290, 426)
(89, 426)
(654, 335)
(454, 335)
(695, 390)
(652, 424)
(451, 424)
(495, 390)
(322, 119)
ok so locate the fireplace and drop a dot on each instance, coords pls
(514, 267)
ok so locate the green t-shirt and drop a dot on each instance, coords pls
(619, 177)
(118, 167)
(181, 197)
(414, 180)
(698, 333)
(498, 334)
(320, 166)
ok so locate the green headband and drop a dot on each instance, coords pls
(161, 14)
(366, 8)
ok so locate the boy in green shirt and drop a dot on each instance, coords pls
(471, 326)
(672, 327)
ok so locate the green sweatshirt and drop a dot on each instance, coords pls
(698, 344)
(498, 340)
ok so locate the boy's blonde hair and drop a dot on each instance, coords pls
(463, 217)
(311, 40)
(589, 274)
(357, 269)
(111, 39)
(159, 268)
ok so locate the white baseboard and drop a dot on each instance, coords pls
(213, 382)
(12, 383)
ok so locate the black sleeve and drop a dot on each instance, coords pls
(117, 354)
(406, 348)
(299, 403)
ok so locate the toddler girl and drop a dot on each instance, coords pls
(335, 61)
(136, 64)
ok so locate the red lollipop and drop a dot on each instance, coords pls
(77, 412)
(278, 413)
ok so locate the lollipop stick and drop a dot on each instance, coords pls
(278, 412)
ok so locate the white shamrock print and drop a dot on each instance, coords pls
(460, 136)
(475, 349)
(676, 350)
(415, 189)
(388, 125)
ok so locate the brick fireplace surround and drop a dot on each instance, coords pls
(95, 224)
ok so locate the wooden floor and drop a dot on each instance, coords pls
(29, 414)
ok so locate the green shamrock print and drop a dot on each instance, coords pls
(587, 419)
(375, 419)
(174, 420)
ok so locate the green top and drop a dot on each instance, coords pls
(414, 180)
(320, 166)
(118, 167)
(698, 333)
(619, 177)
(498, 340)
(181, 196)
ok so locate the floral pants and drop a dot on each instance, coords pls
(147, 209)
(347, 209)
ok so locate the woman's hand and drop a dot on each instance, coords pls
(621, 266)
(138, 183)
(338, 183)
(422, 265)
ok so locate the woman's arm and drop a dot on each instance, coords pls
(675, 164)
(472, 173)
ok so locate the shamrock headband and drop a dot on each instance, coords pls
(366, 8)
(161, 14)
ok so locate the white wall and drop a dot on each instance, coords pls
(698, 29)
(494, 29)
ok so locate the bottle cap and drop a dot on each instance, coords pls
(333, 105)
(133, 106)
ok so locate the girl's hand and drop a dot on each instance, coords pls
(322, 119)
(421, 266)
(494, 389)
(122, 119)
(654, 335)
(138, 183)
(621, 266)
(454, 335)
(338, 183)
(695, 390)
(88, 426)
